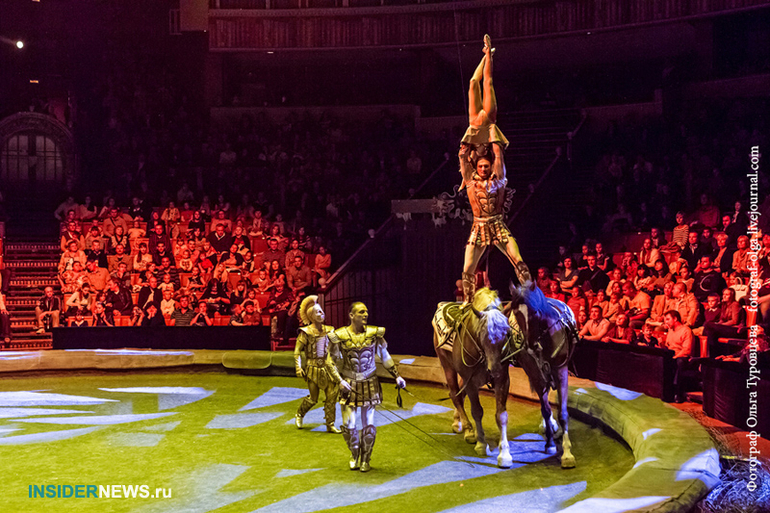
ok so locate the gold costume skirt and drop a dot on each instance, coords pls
(489, 230)
(366, 392)
(484, 134)
(319, 375)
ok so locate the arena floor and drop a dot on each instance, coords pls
(227, 443)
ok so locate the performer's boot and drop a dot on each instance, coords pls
(367, 444)
(330, 415)
(304, 407)
(351, 438)
(522, 273)
(469, 287)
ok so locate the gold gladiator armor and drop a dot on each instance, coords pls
(487, 201)
(311, 356)
(357, 352)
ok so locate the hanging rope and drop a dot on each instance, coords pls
(459, 58)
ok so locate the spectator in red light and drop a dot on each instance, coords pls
(100, 318)
(741, 258)
(554, 291)
(142, 259)
(152, 317)
(679, 340)
(648, 255)
(620, 332)
(577, 301)
(639, 305)
(596, 327)
(158, 236)
(201, 317)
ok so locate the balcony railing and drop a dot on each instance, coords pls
(316, 24)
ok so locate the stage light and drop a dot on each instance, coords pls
(19, 44)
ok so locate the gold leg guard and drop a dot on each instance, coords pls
(522, 273)
(330, 415)
(367, 444)
(469, 287)
(351, 438)
(304, 407)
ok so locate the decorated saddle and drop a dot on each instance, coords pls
(450, 316)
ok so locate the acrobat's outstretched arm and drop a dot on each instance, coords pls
(498, 167)
(466, 166)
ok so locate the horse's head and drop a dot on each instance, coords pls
(488, 308)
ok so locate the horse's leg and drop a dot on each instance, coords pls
(554, 427)
(458, 399)
(477, 411)
(502, 384)
(545, 409)
(567, 458)
(537, 383)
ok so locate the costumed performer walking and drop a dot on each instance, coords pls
(357, 346)
(317, 368)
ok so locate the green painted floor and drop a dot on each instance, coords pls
(215, 456)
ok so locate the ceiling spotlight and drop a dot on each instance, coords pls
(19, 44)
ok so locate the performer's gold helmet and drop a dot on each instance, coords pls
(307, 303)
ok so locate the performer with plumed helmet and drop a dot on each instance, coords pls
(313, 364)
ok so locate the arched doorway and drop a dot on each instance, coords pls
(37, 153)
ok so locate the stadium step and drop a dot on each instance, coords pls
(33, 264)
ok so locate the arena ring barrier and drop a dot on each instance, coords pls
(677, 463)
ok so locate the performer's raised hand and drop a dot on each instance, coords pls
(400, 382)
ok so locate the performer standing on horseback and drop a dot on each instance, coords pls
(317, 369)
(482, 165)
(357, 345)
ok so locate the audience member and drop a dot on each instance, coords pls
(620, 332)
(97, 254)
(596, 327)
(99, 318)
(152, 317)
(298, 276)
(730, 324)
(182, 314)
(707, 280)
(72, 255)
(577, 300)
(5, 321)
(281, 302)
(693, 251)
(118, 299)
(679, 340)
(686, 305)
(639, 305)
(96, 276)
(48, 310)
(648, 255)
(201, 317)
(646, 336)
(252, 316)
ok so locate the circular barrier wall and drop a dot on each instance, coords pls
(176, 421)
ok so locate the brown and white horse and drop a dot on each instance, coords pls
(476, 355)
(550, 332)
